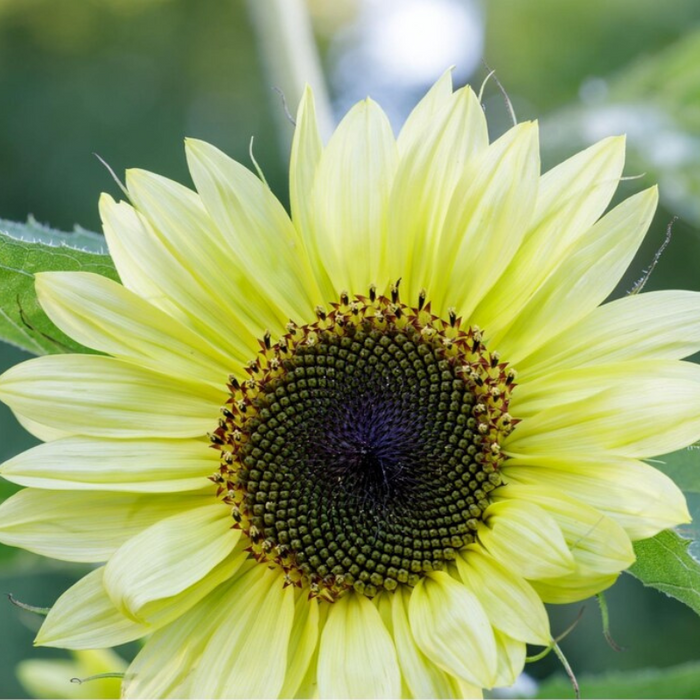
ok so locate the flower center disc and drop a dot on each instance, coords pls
(362, 449)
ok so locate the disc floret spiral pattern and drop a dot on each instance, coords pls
(362, 449)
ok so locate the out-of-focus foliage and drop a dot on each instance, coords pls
(676, 682)
(682, 467)
(545, 51)
(656, 102)
(128, 80)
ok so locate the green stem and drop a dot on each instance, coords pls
(291, 60)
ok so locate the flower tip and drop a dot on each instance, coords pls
(105, 204)
(193, 145)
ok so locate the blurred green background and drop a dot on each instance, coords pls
(128, 79)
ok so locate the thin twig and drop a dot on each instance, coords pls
(29, 608)
(509, 104)
(97, 677)
(641, 283)
(602, 602)
(569, 671)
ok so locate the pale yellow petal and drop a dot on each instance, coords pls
(85, 618)
(420, 122)
(246, 656)
(351, 199)
(584, 279)
(523, 536)
(598, 544)
(652, 416)
(578, 383)
(89, 464)
(169, 557)
(509, 601)
(425, 181)
(105, 397)
(105, 316)
(165, 279)
(260, 236)
(164, 667)
(423, 678)
(85, 526)
(178, 218)
(511, 659)
(356, 657)
(302, 643)
(572, 588)
(41, 431)
(662, 325)
(570, 199)
(641, 499)
(488, 216)
(452, 630)
(306, 155)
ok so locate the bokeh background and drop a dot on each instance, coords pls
(128, 79)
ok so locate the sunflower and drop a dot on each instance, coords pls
(305, 459)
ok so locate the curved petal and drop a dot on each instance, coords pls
(641, 499)
(303, 643)
(168, 557)
(584, 280)
(653, 416)
(509, 601)
(572, 588)
(351, 199)
(246, 656)
(105, 316)
(307, 149)
(452, 629)
(425, 180)
(490, 211)
(164, 667)
(356, 657)
(105, 397)
(41, 431)
(523, 536)
(147, 267)
(63, 524)
(180, 221)
(420, 121)
(511, 659)
(423, 678)
(570, 199)
(598, 544)
(85, 618)
(661, 325)
(579, 383)
(89, 464)
(259, 235)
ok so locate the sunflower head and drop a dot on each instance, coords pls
(362, 449)
(303, 461)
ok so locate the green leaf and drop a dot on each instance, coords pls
(34, 232)
(29, 248)
(682, 681)
(664, 562)
(682, 466)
